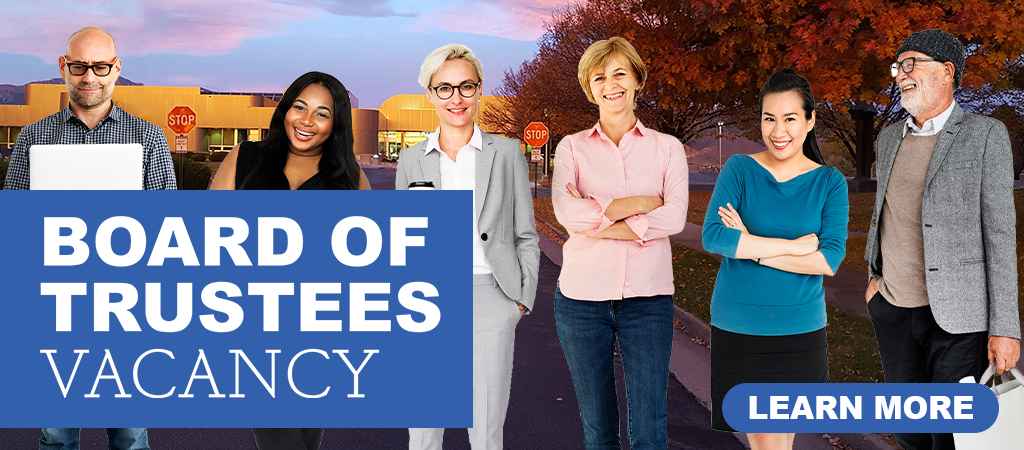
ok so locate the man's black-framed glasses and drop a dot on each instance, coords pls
(445, 91)
(79, 69)
(907, 64)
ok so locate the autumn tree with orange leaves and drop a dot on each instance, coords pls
(843, 48)
(709, 58)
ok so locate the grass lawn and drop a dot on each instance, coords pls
(854, 259)
(698, 207)
(852, 348)
(695, 274)
(861, 207)
(543, 208)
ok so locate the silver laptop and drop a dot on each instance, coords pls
(86, 167)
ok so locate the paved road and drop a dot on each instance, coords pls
(381, 178)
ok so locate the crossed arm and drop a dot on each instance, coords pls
(641, 218)
(798, 255)
(618, 210)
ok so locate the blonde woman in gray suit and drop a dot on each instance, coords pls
(506, 255)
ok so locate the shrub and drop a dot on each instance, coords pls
(195, 176)
(3, 171)
(218, 156)
(199, 157)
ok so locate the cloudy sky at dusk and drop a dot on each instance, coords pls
(375, 47)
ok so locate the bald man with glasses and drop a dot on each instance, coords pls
(90, 67)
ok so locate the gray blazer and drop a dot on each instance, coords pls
(968, 222)
(503, 205)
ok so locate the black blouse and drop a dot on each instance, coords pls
(247, 160)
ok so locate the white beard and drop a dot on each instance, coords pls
(922, 96)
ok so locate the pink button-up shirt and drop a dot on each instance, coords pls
(645, 162)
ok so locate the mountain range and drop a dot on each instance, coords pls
(15, 94)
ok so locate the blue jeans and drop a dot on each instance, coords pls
(117, 439)
(642, 326)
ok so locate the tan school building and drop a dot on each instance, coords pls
(225, 119)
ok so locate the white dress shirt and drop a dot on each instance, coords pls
(931, 126)
(460, 174)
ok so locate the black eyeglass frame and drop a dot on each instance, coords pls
(894, 68)
(93, 67)
(462, 88)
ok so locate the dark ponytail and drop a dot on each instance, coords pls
(787, 80)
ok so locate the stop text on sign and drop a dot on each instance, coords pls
(536, 134)
(181, 119)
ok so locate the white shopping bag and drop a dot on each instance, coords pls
(1008, 431)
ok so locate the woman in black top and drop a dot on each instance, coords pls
(308, 146)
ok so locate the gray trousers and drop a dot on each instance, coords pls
(495, 317)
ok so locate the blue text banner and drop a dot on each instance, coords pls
(237, 309)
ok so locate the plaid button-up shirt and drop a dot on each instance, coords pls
(118, 127)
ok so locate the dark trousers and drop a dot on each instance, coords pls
(914, 349)
(288, 438)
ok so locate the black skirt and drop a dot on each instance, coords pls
(745, 358)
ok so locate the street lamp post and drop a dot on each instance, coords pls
(720, 123)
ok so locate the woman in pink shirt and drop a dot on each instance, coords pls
(621, 189)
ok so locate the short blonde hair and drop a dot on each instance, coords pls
(598, 55)
(440, 55)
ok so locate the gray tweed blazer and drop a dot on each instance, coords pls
(968, 222)
(504, 209)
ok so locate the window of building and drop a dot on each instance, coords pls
(8, 136)
(411, 138)
(390, 143)
(223, 139)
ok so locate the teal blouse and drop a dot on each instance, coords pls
(753, 299)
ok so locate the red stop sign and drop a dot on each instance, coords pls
(536, 134)
(181, 119)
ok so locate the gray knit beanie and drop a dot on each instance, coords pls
(939, 45)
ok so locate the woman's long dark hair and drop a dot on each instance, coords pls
(787, 80)
(338, 164)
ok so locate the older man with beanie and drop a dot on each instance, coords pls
(941, 249)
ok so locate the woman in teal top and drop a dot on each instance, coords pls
(779, 219)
